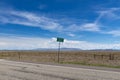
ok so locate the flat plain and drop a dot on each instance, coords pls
(92, 58)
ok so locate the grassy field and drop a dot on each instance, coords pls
(92, 58)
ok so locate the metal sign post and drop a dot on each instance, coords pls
(59, 40)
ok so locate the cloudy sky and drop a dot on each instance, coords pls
(85, 24)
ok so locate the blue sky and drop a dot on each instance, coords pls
(85, 24)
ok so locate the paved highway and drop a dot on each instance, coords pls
(11, 70)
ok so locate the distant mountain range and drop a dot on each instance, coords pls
(54, 49)
(76, 49)
(105, 50)
(65, 49)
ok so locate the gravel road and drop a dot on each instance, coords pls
(11, 70)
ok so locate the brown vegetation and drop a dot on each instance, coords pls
(109, 58)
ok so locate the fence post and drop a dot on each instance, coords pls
(111, 57)
(102, 56)
(19, 55)
(94, 56)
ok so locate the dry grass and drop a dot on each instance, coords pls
(108, 58)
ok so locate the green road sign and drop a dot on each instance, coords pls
(60, 39)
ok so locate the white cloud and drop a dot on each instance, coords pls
(33, 43)
(110, 13)
(93, 27)
(34, 20)
(90, 27)
(113, 32)
(89, 45)
(26, 43)
(3, 43)
(28, 19)
(71, 35)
